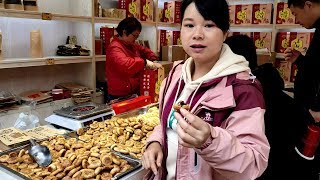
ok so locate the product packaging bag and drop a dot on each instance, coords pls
(36, 44)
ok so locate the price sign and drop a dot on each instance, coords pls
(46, 16)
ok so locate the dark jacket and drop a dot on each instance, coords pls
(124, 65)
(307, 92)
(280, 123)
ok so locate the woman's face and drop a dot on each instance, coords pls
(130, 38)
(201, 39)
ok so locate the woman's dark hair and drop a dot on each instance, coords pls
(214, 10)
(243, 45)
(300, 3)
(129, 24)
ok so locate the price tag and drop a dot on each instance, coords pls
(50, 61)
(46, 16)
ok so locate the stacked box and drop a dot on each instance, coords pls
(283, 39)
(284, 68)
(243, 14)
(176, 38)
(114, 13)
(284, 15)
(173, 53)
(232, 12)
(146, 10)
(106, 35)
(160, 15)
(262, 40)
(150, 83)
(172, 12)
(162, 39)
(300, 41)
(261, 13)
(132, 7)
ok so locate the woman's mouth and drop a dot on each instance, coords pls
(197, 48)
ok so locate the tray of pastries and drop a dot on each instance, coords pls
(124, 133)
(71, 159)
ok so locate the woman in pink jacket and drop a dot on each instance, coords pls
(126, 60)
(222, 135)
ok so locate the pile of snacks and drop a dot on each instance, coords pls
(70, 159)
(124, 135)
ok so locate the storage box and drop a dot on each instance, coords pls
(262, 40)
(173, 53)
(284, 15)
(150, 83)
(261, 13)
(284, 68)
(146, 10)
(232, 13)
(130, 104)
(106, 35)
(283, 39)
(132, 7)
(172, 12)
(243, 14)
(98, 46)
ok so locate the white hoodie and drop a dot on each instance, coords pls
(227, 64)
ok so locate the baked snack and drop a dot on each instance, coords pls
(181, 104)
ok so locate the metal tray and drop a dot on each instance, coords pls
(94, 109)
(135, 163)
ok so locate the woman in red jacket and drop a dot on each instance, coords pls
(126, 60)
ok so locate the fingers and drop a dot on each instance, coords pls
(185, 139)
(193, 120)
(159, 159)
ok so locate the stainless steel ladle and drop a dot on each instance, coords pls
(41, 154)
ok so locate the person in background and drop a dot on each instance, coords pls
(280, 116)
(126, 60)
(218, 133)
(307, 80)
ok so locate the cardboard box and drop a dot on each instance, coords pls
(150, 83)
(130, 104)
(132, 7)
(261, 13)
(284, 68)
(172, 12)
(173, 53)
(243, 14)
(283, 39)
(284, 15)
(162, 39)
(167, 66)
(160, 15)
(262, 40)
(106, 35)
(146, 10)
(232, 13)
(300, 41)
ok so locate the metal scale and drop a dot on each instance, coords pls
(75, 117)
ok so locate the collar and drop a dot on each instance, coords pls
(123, 42)
(317, 24)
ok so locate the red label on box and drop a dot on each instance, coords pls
(283, 39)
(172, 12)
(162, 39)
(176, 38)
(148, 84)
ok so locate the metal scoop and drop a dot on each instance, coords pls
(41, 154)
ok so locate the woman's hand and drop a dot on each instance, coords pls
(315, 115)
(153, 65)
(193, 132)
(152, 157)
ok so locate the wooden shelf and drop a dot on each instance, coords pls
(117, 21)
(247, 26)
(28, 62)
(288, 26)
(163, 24)
(38, 15)
(100, 58)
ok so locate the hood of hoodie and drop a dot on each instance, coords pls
(227, 64)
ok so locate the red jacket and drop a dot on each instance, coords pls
(124, 65)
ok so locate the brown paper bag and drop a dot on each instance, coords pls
(36, 44)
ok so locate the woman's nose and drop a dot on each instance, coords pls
(198, 34)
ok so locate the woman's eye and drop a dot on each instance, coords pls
(188, 25)
(210, 25)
